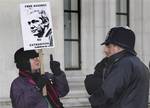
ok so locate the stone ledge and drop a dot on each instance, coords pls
(75, 102)
(5, 103)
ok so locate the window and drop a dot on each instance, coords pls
(122, 13)
(72, 43)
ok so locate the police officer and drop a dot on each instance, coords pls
(120, 80)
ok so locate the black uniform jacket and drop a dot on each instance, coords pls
(120, 81)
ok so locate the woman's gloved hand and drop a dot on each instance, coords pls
(55, 66)
(41, 81)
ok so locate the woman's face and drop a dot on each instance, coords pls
(35, 63)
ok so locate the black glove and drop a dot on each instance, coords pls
(55, 67)
(41, 81)
(92, 82)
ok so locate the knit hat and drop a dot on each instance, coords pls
(121, 36)
(22, 57)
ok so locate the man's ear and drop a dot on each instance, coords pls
(120, 48)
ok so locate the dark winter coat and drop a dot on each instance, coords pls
(25, 94)
(122, 81)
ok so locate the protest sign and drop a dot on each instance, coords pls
(36, 24)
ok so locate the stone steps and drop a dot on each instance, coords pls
(76, 102)
(77, 97)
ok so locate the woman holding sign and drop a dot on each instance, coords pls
(26, 89)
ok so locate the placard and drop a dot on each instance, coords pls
(36, 24)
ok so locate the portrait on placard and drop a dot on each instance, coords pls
(36, 25)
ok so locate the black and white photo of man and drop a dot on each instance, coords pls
(39, 24)
(36, 24)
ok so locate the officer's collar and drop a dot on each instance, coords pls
(118, 56)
